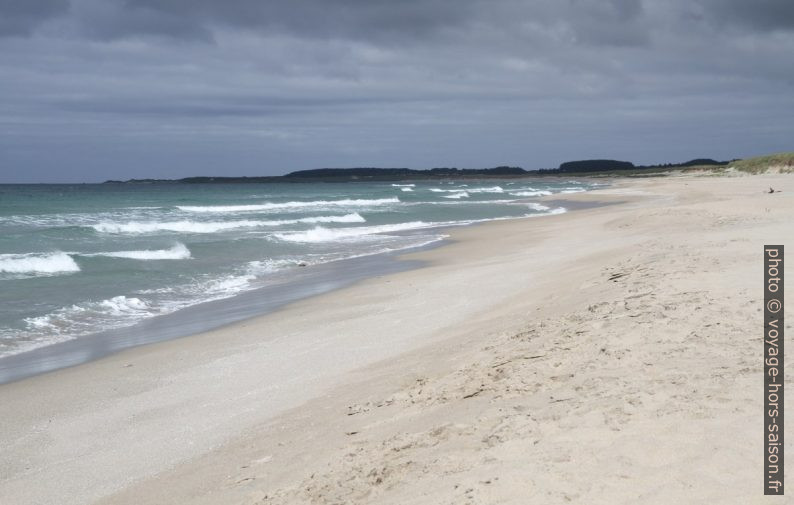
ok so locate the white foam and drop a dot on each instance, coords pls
(227, 287)
(552, 212)
(122, 305)
(38, 263)
(136, 227)
(259, 267)
(532, 193)
(178, 252)
(493, 189)
(290, 205)
(467, 202)
(458, 195)
(172, 226)
(81, 319)
(406, 189)
(320, 234)
(537, 206)
(404, 185)
(347, 218)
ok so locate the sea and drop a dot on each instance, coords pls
(79, 260)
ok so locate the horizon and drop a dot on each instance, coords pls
(529, 171)
(135, 89)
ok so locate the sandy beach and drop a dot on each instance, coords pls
(609, 355)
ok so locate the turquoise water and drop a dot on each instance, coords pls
(78, 259)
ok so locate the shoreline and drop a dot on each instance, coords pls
(203, 317)
(198, 420)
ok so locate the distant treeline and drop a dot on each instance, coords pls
(391, 174)
(347, 174)
(591, 166)
(321, 173)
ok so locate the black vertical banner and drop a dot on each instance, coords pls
(773, 370)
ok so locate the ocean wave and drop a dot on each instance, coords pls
(404, 185)
(90, 316)
(538, 207)
(121, 305)
(552, 212)
(467, 202)
(135, 227)
(406, 189)
(259, 267)
(492, 189)
(458, 195)
(73, 321)
(38, 263)
(290, 205)
(173, 226)
(531, 193)
(347, 218)
(80, 318)
(320, 234)
(177, 252)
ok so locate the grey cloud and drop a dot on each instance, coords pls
(756, 15)
(20, 18)
(218, 106)
(349, 19)
(143, 86)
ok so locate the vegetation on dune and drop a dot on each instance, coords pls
(780, 161)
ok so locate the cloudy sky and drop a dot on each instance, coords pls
(99, 89)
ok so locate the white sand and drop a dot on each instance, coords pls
(609, 355)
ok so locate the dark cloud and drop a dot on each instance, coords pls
(20, 18)
(757, 15)
(111, 19)
(348, 19)
(176, 87)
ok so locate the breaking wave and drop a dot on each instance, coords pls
(215, 226)
(290, 205)
(538, 207)
(320, 234)
(457, 196)
(178, 252)
(38, 263)
(531, 193)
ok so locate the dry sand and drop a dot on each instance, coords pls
(608, 355)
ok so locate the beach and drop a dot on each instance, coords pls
(611, 354)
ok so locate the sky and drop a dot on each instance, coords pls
(116, 89)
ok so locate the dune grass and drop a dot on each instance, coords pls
(782, 161)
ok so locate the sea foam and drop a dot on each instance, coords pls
(538, 207)
(290, 205)
(531, 193)
(492, 189)
(38, 263)
(458, 195)
(178, 252)
(187, 226)
(321, 234)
